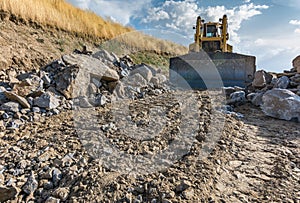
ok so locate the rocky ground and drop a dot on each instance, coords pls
(55, 115)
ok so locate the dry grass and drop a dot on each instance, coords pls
(135, 41)
(62, 15)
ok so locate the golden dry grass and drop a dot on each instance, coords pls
(62, 15)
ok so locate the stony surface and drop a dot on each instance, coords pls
(43, 157)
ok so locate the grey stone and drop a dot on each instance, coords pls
(12, 125)
(103, 54)
(92, 66)
(31, 184)
(282, 82)
(89, 67)
(8, 193)
(103, 100)
(21, 100)
(296, 78)
(47, 100)
(5, 116)
(56, 176)
(183, 185)
(137, 80)
(46, 79)
(155, 81)
(36, 109)
(237, 97)
(119, 90)
(10, 107)
(144, 71)
(92, 89)
(259, 79)
(83, 102)
(96, 82)
(282, 104)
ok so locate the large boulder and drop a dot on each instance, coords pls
(88, 67)
(282, 104)
(261, 79)
(296, 63)
(137, 80)
(144, 71)
(92, 65)
(47, 100)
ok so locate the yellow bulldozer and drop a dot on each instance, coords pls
(210, 62)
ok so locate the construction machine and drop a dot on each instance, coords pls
(210, 62)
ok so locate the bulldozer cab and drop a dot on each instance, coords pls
(211, 37)
(210, 30)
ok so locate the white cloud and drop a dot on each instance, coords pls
(297, 31)
(294, 22)
(273, 53)
(119, 10)
(182, 16)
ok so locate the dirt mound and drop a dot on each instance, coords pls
(28, 47)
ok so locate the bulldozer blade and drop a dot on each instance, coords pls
(201, 70)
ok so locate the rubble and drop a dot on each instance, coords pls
(86, 80)
(44, 159)
(280, 91)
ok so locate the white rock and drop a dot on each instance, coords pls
(282, 104)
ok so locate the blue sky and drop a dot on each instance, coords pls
(269, 30)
